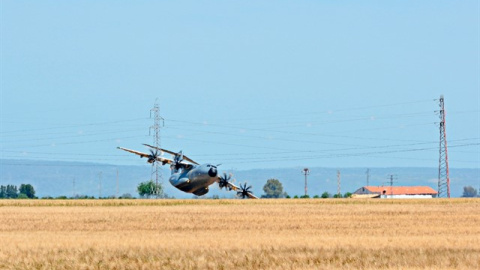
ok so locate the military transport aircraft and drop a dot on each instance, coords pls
(191, 177)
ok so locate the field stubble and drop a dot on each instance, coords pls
(242, 234)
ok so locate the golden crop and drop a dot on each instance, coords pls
(240, 234)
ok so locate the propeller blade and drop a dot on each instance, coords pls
(224, 181)
(244, 191)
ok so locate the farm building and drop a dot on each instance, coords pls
(395, 192)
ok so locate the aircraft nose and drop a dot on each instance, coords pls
(212, 172)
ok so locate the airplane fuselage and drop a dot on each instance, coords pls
(194, 180)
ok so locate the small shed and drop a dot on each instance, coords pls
(398, 192)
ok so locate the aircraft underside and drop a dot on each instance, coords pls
(196, 185)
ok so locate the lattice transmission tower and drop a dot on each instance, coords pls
(158, 121)
(443, 171)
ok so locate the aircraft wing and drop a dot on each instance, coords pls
(134, 152)
(233, 187)
(145, 155)
(173, 153)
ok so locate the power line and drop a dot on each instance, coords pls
(277, 157)
(347, 154)
(282, 116)
(297, 134)
(355, 119)
(72, 126)
(63, 154)
(71, 143)
(295, 151)
(68, 136)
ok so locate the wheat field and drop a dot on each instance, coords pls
(240, 234)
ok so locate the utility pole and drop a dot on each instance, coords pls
(391, 185)
(368, 176)
(73, 191)
(443, 171)
(338, 184)
(306, 172)
(156, 142)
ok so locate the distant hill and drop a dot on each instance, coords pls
(55, 178)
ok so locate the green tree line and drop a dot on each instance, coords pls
(26, 191)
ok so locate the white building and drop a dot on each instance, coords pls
(396, 192)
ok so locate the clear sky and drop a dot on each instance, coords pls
(248, 84)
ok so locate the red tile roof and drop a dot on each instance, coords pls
(415, 190)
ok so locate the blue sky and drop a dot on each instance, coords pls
(248, 84)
